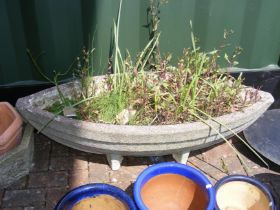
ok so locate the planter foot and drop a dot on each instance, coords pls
(181, 157)
(114, 161)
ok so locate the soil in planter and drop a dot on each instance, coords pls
(173, 192)
(101, 202)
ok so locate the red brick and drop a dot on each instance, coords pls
(41, 153)
(59, 150)
(79, 163)
(48, 179)
(213, 181)
(41, 162)
(1, 196)
(42, 145)
(133, 171)
(18, 185)
(126, 175)
(98, 169)
(214, 154)
(98, 173)
(234, 165)
(34, 208)
(19, 198)
(123, 177)
(60, 163)
(53, 196)
(259, 170)
(70, 167)
(78, 178)
(207, 169)
(42, 142)
(68, 163)
(248, 154)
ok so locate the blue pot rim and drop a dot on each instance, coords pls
(108, 190)
(250, 180)
(163, 166)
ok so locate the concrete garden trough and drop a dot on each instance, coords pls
(126, 140)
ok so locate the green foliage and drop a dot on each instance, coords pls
(167, 94)
(56, 79)
(159, 92)
(104, 108)
(83, 73)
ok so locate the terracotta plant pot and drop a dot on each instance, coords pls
(10, 127)
(96, 196)
(238, 192)
(173, 186)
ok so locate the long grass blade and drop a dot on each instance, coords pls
(219, 134)
(235, 134)
(36, 65)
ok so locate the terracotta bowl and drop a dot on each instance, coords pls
(10, 127)
(239, 192)
(173, 186)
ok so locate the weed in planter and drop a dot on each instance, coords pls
(157, 92)
(56, 79)
(82, 73)
(151, 91)
(167, 94)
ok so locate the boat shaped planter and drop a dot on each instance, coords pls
(131, 140)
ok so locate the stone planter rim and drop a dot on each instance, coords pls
(134, 140)
(153, 129)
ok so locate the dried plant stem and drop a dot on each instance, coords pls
(219, 134)
(235, 134)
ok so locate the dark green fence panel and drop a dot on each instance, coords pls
(61, 28)
(255, 22)
(51, 27)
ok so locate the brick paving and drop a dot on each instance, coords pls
(57, 169)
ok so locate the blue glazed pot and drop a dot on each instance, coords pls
(224, 182)
(91, 190)
(173, 168)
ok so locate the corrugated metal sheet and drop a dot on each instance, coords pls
(62, 28)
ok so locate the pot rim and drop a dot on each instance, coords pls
(177, 168)
(16, 124)
(250, 180)
(101, 188)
